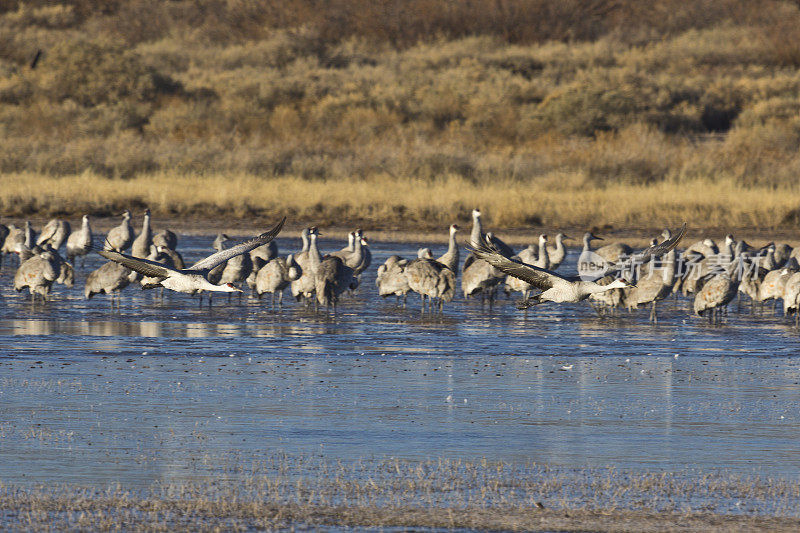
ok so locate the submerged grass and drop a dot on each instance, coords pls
(388, 202)
(287, 491)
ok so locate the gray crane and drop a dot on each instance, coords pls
(537, 256)
(120, 237)
(194, 279)
(143, 241)
(450, 259)
(556, 254)
(54, 233)
(275, 276)
(79, 243)
(110, 278)
(432, 280)
(556, 288)
(655, 286)
(37, 274)
(166, 238)
(391, 278)
(304, 286)
(332, 276)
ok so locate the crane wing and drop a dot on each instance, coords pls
(655, 250)
(223, 255)
(663, 247)
(145, 267)
(540, 278)
(48, 232)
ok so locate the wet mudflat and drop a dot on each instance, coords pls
(166, 393)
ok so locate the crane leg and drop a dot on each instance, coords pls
(653, 317)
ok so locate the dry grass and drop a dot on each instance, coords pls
(385, 202)
(406, 115)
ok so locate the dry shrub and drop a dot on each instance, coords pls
(58, 16)
(96, 72)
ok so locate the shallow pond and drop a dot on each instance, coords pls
(94, 395)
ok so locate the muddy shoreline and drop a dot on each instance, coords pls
(637, 236)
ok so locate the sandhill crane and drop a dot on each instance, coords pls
(707, 247)
(539, 260)
(54, 233)
(215, 274)
(79, 243)
(110, 278)
(782, 254)
(391, 278)
(37, 274)
(351, 240)
(234, 270)
(614, 252)
(30, 235)
(478, 236)
(159, 255)
(424, 253)
(303, 287)
(275, 276)
(332, 276)
(258, 258)
(431, 279)
(195, 278)
(774, 283)
(120, 237)
(352, 258)
(66, 273)
(451, 256)
(654, 286)
(698, 272)
(716, 294)
(480, 277)
(588, 237)
(556, 288)
(174, 255)
(556, 254)
(13, 239)
(791, 297)
(366, 257)
(166, 238)
(142, 242)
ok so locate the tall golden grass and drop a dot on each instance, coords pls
(388, 202)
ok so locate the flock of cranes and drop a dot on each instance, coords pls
(618, 276)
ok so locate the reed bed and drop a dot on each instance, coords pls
(387, 202)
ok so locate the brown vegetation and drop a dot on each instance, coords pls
(288, 491)
(533, 97)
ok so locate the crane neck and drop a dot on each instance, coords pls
(476, 236)
(543, 253)
(314, 258)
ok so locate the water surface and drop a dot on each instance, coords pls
(157, 391)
